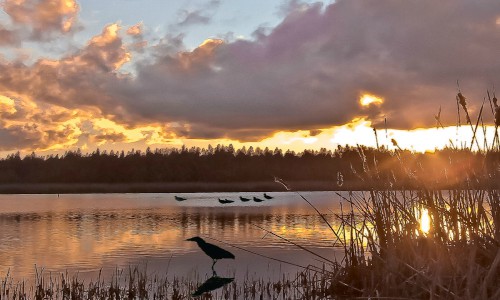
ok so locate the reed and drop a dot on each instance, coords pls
(391, 253)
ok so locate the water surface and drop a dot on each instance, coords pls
(88, 233)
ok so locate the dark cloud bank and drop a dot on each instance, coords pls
(307, 73)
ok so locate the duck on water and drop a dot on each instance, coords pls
(244, 199)
(225, 201)
(267, 196)
(257, 199)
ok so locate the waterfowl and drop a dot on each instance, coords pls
(215, 252)
(257, 199)
(267, 196)
(225, 201)
(179, 198)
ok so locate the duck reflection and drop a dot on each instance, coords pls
(211, 284)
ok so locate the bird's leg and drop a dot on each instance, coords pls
(213, 270)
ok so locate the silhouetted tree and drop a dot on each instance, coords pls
(359, 166)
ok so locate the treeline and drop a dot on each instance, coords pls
(346, 167)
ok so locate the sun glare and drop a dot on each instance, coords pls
(367, 99)
(425, 221)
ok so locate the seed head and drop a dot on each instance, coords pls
(461, 100)
(497, 116)
(463, 103)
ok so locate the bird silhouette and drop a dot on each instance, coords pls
(257, 199)
(215, 252)
(244, 199)
(267, 196)
(179, 198)
(225, 201)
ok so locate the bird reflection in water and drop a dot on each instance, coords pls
(211, 284)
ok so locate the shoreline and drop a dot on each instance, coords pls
(167, 187)
(199, 187)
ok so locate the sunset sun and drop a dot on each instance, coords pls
(368, 99)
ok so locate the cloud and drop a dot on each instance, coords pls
(105, 51)
(74, 81)
(307, 73)
(43, 104)
(109, 138)
(8, 37)
(42, 18)
(26, 125)
(193, 17)
(135, 30)
(290, 6)
(201, 15)
(138, 44)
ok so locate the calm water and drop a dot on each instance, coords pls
(88, 233)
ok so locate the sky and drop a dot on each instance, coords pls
(131, 74)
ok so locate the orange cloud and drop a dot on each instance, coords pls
(138, 42)
(7, 106)
(135, 30)
(200, 56)
(148, 134)
(107, 49)
(43, 15)
(26, 126)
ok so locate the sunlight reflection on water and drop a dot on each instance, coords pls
(86, 233)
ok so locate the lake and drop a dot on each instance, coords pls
(86, 233)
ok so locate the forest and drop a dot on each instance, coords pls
(345, 167)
